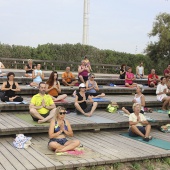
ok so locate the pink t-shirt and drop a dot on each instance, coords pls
(129, 76)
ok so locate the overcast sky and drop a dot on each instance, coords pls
(120, 25)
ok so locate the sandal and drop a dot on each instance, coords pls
(150, 137)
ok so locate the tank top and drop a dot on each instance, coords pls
(53, 92)
(84, 72)
(10, 93)
(90, 85)
(29, 71)
(38, 78)
(57, 128)
(138, 100)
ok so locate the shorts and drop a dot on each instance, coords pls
(61, 141)
(141, 128)
(94, 94)
(85, 78)
(152, 85)
(86, 110)
(43, 115)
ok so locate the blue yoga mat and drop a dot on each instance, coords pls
(162, 111)
(154, 142)
(100, 100)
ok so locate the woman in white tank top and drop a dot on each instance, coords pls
(138, 98)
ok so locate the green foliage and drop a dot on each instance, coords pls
(160, 49)
(75, 53)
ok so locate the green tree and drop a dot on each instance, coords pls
(160, 49)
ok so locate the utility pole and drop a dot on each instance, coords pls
(86, 22)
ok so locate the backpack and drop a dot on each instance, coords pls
(112, 108)
(165, 128)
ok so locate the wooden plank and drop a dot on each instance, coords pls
(11, 158)
(40, 158)
(1, 167)
(18, 156)
(5, 162)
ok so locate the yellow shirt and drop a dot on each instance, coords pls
(37, 101)
(133, 118)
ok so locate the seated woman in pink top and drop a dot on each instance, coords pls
(129, 77)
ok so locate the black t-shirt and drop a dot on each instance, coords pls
(83, 105)
(123, 75)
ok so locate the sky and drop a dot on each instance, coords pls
(120, 25)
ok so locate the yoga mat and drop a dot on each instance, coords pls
(100, 100)
(154, 142)
(94, 118)
(27, 118)
(162, 111)
(23, 102)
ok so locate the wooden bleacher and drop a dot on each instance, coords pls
(105, 147)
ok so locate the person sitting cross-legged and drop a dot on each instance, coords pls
(92, 87)
(139, 126)
(82, 105)
(42, 107)
(59, 129)
(10, 87)
(162, 91)
(53, 87)
(68, 79)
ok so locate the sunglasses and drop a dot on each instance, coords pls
(62, 113)
(92, 77)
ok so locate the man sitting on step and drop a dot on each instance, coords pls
(42, 107)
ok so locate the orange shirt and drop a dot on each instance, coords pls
(53, 92)
(68, 76)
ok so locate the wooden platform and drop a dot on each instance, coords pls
(119, 89)
(122, 100)
(106, 147)
(10, 123)
(100, 81)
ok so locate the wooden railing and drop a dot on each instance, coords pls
(58, 65)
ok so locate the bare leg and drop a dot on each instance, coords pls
(65, 83)
(125, 110)
(73, 83)
(135, 130)
(127, 84)
(93, 108)
(49, 117)
(60, 97)
(134, 85)
(35, 114)
(54, 145)
(81, 79)
(100, 95)
(69, 145)
(165, 102)
(33, 84)
(148, 129)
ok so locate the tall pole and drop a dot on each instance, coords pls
(86, 22)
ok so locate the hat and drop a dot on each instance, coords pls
(82, 85)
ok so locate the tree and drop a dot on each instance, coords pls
(160, 49)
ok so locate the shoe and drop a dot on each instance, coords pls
(146, 139)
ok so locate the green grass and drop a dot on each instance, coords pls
(148, 164)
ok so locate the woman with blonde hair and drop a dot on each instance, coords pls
(138, 125)
(59, 129)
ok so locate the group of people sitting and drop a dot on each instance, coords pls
(153, 79)
(42, 106)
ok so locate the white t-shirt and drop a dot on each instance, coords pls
(160, 88)
(133, 118)
(140, 69)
